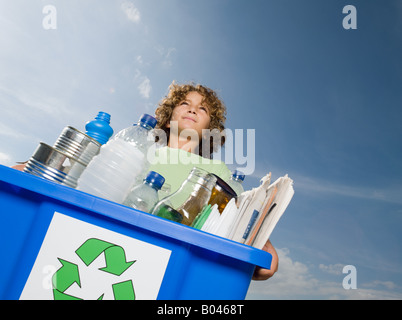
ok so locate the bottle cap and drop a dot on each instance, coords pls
(103, 116)
(155, 178)
(149, 120)
(238, 175)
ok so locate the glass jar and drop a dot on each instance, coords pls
(189, 200)
(221, 194)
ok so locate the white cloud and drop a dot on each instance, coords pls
(5, 159)
(34, 98)
(10, 132)
(295, 280)
(139, 59)
(335, 269)
(292, 279)
(166, 54)
(137, 74)
(317, 187)
(390, 194)
(132, 13)
(145, 88)
(377, 283)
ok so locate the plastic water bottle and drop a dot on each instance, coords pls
(144, 196)
(113, 171)
(236, 181)
(100, 129)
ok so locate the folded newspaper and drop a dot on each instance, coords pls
(252, 218)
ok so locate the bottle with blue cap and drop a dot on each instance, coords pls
(236, 181)
(99, 128)
(113, 172)
(138, 133)
(144, 196)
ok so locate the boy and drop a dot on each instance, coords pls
(184, 115)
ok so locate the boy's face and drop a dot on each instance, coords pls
(191, 114)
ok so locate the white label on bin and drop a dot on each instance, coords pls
(78, 260)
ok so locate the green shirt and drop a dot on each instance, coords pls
(175, 166)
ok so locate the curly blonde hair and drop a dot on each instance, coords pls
(217, 110)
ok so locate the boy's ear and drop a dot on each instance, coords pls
(168, 125)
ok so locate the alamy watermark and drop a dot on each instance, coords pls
(349, 21)
(49, 21)
(47, 281)
(350, 280)
(239, 147)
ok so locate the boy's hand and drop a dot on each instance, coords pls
(264, 274)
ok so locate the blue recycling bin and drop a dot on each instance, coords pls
(61, 243)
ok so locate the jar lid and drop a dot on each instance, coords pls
(228, 189)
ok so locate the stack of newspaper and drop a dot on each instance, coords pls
(252, 218)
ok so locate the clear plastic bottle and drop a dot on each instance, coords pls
(189, 200)
(144, 196)
(113, 171)
(236, 181)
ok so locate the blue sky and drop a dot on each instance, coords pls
(324, 102)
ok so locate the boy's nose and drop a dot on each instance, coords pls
(191, 109)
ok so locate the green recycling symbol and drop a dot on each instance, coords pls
(116, 264)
